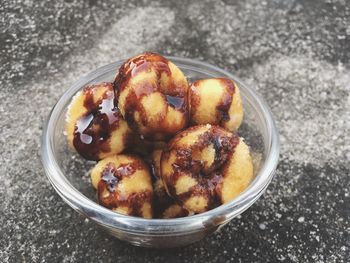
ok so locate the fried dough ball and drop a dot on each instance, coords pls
(164, 206)
(216, 101)
(124, 184)
(152, 94)
(94, 126)
(206, 166)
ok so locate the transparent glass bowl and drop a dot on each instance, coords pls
(68, 173)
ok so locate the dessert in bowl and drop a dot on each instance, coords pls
(153, 223)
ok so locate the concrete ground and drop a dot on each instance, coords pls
(296, 53)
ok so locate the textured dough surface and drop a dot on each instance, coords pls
(123, 184)
(216, 101)
(206, 166)
(164, 205)
(94, 126)
(152, 94)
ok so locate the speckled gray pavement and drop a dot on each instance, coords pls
(296, 53)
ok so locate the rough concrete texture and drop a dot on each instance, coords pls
(296, 53)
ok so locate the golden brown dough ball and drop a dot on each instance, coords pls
(164, 206)
(206, 166)
(216, 101)
(94, 126)
(124, 184)
(152, 96)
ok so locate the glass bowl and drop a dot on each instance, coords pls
(68, 173)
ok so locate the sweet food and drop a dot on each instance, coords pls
(152, 96)
(164, 205)
(123, 184)
(216, 101)
(94, 126)
(164, 148)
(206, 166)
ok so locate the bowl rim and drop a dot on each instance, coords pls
(110, 219)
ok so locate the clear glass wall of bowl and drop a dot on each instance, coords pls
(69, 173)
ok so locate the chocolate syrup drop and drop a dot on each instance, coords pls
(82, 124)
(93, 130)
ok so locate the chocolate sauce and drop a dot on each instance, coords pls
(93, 130)
(161, 199)
(209, 180)
(154, 176)
(207, 187)
(135, 201)
(222, 110)
(111, 177)
(223, 107)
(224, 147)
(82, 124)
(133, 105)
(222, 113)
(175, 96)
(138, 64)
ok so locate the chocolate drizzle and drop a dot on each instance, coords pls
(209, 179)
(222, 108)
(141, 63)
(93, 130)
(174, 95)
(161, 199)
(113, 198)
(136, 201)
(111, 176)
(82, 124)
